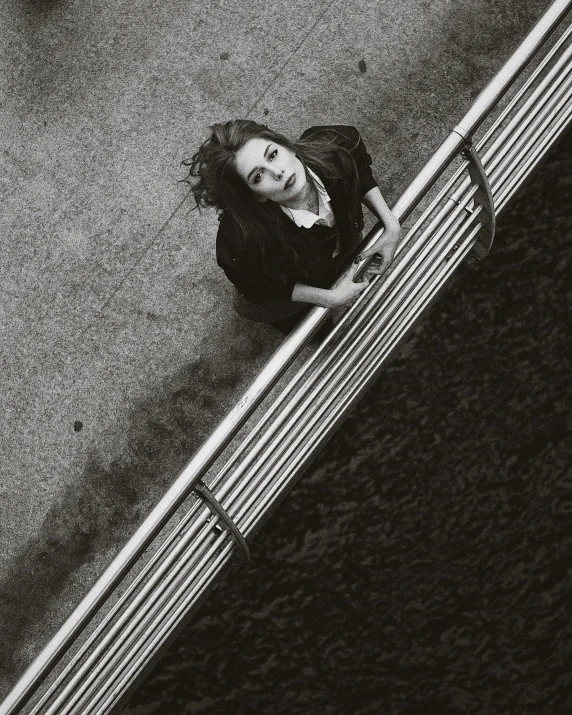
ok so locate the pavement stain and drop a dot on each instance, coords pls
(478, 29)
(42, 5)
(115, 493)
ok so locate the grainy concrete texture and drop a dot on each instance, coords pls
(119, 349)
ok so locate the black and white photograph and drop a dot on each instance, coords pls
(286, 357)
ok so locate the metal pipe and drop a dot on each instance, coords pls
(295, 415)
(493, 155)
(92, 687)
(502, 143)
(162, 575)
(539, 152)
(303, 415)
(97, 633)
(525, 87)
(551, 86)
(327, 427)
(164, 609)
(533, 113)
(482, 106)
(159, 638)
(531, 145)
(346, 348)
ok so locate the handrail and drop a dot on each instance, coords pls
(344, 388)
(481, 108)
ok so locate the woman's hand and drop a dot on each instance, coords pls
(384, 248)
(346, 292)
(343, 294)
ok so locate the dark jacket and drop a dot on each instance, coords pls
(271, 293)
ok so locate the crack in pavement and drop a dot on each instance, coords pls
(290, 56)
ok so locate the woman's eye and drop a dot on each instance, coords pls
(257, 177)
(272, 154)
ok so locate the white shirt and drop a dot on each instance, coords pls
(306, 219)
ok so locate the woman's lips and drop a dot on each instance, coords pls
(290, 181)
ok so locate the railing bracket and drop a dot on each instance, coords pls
(484, 198)
(217, 509)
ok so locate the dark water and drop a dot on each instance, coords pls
(424, 564)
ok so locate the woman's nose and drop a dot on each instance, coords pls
(278, 175)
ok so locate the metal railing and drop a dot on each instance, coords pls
(170, 563)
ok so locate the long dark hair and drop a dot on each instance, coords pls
(215, 181)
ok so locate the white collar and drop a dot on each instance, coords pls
(306, 219)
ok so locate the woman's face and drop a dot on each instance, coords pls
(271, 170)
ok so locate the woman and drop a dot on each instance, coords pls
(291, 215)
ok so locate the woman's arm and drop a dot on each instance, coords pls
(377, 205)
(386, 245)
(344, 293)
(245, 271)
